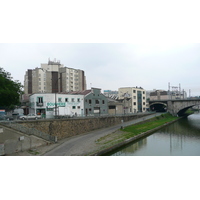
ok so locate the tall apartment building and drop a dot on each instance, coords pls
(138, 96)
(54, 77)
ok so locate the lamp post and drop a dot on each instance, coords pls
(56, 84)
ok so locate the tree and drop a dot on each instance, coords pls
(10, 90)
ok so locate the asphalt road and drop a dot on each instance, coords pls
(83, 144)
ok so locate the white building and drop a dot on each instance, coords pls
(138, 96)
(49, 105)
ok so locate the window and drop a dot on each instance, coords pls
(72, 99)
(134, 103)
(103, 102)
(143, 97)
(66, 99)
(97, 101)
(143, 103)
(78, 107)
(40, 99)
(73, 107)
(90, 101)
(134, 91)
(78, 100)
(134, 97)
(59, 99)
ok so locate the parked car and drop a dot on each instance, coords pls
(9, 117)
(6, 117)
(30, 116)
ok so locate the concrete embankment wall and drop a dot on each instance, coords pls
(63, 128)
(12, 141)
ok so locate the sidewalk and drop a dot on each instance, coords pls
(80, 145)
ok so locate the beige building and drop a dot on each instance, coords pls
(54, 77)
(138, 96)
(166, 95)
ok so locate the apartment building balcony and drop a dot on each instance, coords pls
(39, 104)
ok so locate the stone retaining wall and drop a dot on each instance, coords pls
(63, 128)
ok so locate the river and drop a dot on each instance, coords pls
(181, 138)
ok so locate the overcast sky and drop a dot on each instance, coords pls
(135, 43)
(112, 65)
(128, 43)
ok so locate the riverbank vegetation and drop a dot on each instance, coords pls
(155, 122)
(133, 130)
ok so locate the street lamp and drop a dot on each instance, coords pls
(56, 84)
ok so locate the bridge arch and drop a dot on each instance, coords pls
(158, 106)
(179, 107)
(182, 111)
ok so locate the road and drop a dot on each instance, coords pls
(83, 144)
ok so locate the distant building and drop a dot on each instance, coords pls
(95, 103)
(166, 95)
(53, 77)
(49, 105)
(111, 94)
(76, 103)
(137, 96)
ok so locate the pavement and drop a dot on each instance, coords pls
(80, 145)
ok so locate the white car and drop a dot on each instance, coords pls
(30, 116)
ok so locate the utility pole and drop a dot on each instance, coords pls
(56, 84)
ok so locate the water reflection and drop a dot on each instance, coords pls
(181, 138)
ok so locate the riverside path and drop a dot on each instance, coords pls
(85, 144)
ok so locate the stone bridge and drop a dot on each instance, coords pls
(178, 106)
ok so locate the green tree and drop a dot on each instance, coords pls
(10, 90)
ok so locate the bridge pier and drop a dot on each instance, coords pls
(172, 108)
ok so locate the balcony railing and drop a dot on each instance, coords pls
(39, 104)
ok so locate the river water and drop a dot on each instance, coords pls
(181, 138)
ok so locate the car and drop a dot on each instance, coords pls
(30, 116)
(9, 117)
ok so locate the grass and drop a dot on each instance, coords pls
(136, 129)
(133, 130)
(33, 152)
(155, 122)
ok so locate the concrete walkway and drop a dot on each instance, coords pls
(81, 145)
